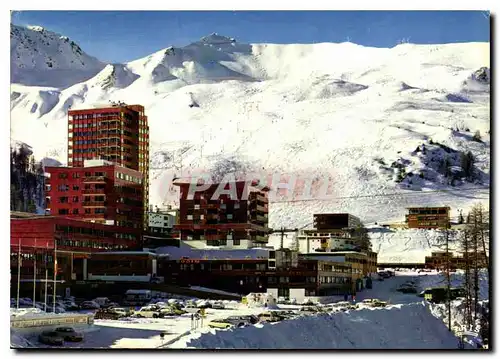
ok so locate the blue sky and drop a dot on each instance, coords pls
(128, 35)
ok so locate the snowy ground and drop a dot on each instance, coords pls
(144, 332)
(426, 331)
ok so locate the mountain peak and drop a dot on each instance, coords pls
(215, 38)
(35, 28)
(34, 48)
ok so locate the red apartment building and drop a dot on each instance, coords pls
(104, 193)
(118, 133)
(225, 221)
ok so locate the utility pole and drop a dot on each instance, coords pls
(18, 271)
(46, 274)
(55, 276)
(448, 280)
(34, 276)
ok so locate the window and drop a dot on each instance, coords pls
(189, 217)
(75, 199)
(63, 175)
(223, 242)
(75, 188)
(63, 211)
(284, 292)
(76, 175)
(236, 242)
(229, 216)
(236, 206)
(63, 199)
(75, 211)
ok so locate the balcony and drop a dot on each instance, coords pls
(93, 191)
(261, 208)
(260, 239)
(94, 179)
(93, 204)
(260, 218)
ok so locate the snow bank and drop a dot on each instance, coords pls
(457, 280)
(398, 327)
(18, 342)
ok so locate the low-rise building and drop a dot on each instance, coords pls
(160, 222)
(428, 217)
(439, 260)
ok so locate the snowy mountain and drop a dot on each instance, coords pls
(375, 121)
(39, 57)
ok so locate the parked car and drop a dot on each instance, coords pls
(71, 305)
(218, 305)
(204, 304)
(233, 321)
(89, 304)
(51, 338)
(270, 317)
(69, 334)
(378, 303)
(287, 314)
(171, 311)
(223, 324)
(150, 312)
(109, 314)
(408, 287)
(191, 308)
(309, 309)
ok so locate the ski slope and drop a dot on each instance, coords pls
(353, 114)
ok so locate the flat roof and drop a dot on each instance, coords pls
(333, 253)
(17, 215)
(132, 253)
(448, 207)
(179, 182)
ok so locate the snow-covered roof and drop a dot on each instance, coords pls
(186, 251)
(131, 253)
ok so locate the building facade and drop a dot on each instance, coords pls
(335, 221)
(100, 192)
(226, 221)
(118, 133)
(72, 241)
(333, 232)
(161, 222)
(428, 217)
(439, 260)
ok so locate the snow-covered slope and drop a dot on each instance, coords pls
(39, 57)
(360, 116)
(409, 326)
(409, 245)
